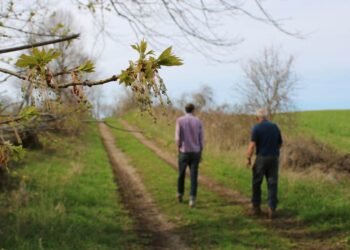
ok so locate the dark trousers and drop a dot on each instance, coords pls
(265, 166)
(192, 160)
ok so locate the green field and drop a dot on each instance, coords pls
(64, 198)
(331, 126)
(322, 202)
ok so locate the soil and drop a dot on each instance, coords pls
(286, 226)
(150, 224)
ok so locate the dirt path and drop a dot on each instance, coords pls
(150, 223)
(287, 227)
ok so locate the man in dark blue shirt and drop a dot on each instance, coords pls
(266, 139)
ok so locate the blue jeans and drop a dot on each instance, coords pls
(265, 166)
(192, 160)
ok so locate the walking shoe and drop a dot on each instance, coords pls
(271, 213)
(179, 198)
(256, 210)
(192, 202)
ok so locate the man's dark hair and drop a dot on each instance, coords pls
(189, 108)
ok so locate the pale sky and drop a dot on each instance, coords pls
(322, 58)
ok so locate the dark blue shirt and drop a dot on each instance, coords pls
(268, 139)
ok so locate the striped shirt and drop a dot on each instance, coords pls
(189, 134)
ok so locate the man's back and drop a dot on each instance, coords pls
(268, 139)
(189, 134)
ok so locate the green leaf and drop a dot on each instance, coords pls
(88, 67)
(151, 52)
(143, 47)
(167, 58)
(124, 77)
(38, 58)
(57, 28)
(149, 72)
(26, 61)
(28, 112)
(135, 47)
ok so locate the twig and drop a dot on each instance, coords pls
(12, 73)
(28, 46)
(89, 83)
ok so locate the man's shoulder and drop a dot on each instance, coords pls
(188, 117)
(197, 120)
(180, 118)
(272, 124)
(256, 127)
(264, 125)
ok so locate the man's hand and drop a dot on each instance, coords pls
(249, 162)
(250, 152)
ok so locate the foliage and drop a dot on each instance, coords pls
(55, 77)
(87, 67)
(168, 59)
(8, 152)
(28, 112)
(38, 58)
(143, 78)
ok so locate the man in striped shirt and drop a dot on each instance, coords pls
(189, 140)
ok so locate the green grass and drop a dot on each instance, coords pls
(65, 199)
(322, 203)
(213, 224)
(331, 126)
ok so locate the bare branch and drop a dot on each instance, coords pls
(14, 119)
(275, 23)
(269, 82)
(29, 32)
(28, 46)
(12, 73)
(88, 83)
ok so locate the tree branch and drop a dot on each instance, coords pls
(12, 73)
(66, 85)
(28, 46)
(88, 83)
(14, 119)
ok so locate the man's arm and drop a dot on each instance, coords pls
(201, 136)
(250, 152)
(201, 140)
(280, 140)
(177, 135)
(252, 146)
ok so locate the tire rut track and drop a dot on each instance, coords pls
(149, 222)
(287, 227)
